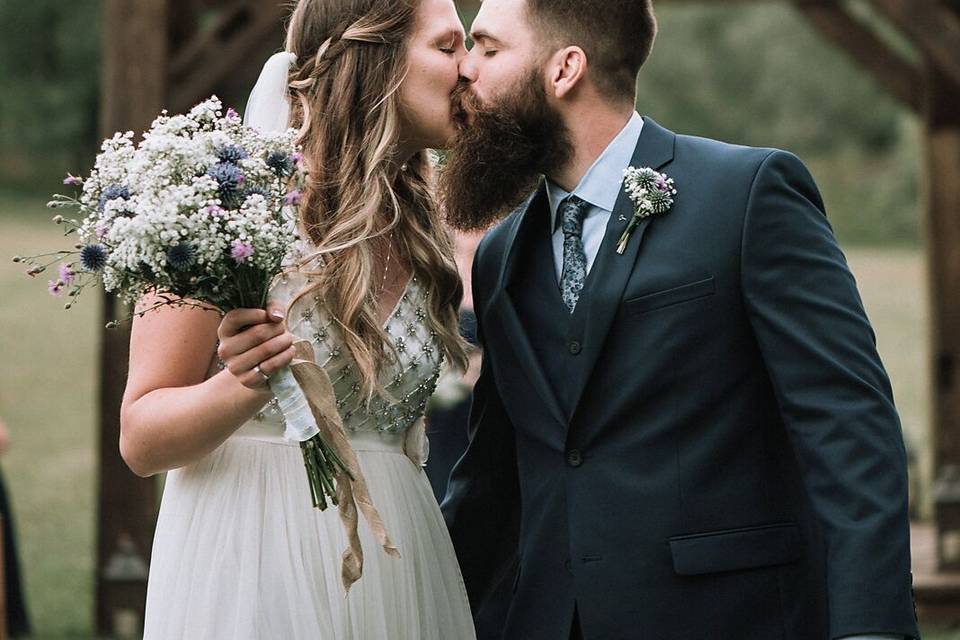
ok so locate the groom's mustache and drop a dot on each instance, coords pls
(466, 104)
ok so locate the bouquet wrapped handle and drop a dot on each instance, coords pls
(300, 424)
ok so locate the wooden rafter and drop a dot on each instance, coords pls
(900, 77)
(214, 53)
(941, 193)
(932, 27)
(190, 52)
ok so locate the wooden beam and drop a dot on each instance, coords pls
(900, 77)
(134, 84)
(190, 52)
(941, 197)
(934, 30)
(215, 57)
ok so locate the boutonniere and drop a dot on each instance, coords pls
(651, 193)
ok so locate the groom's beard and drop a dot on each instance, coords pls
(496, 160)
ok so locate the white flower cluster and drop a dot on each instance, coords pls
(203, 208)
(651, 192)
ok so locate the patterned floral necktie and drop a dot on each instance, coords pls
(571, 211)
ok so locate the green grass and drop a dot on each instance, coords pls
(47, 397)
(48, 382)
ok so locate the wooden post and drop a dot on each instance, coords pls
(941, 193)
(134, 86)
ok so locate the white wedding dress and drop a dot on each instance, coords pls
(240, 553)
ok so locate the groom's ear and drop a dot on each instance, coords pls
(567, 70)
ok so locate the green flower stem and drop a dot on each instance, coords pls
(324, 469)
(622, 244)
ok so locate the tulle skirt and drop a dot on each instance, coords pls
(240, 553)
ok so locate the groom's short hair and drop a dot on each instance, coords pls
(617, 36)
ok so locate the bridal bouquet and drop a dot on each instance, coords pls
(201, 212)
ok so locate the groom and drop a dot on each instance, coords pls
(689, 439)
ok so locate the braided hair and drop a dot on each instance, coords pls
(344, 90)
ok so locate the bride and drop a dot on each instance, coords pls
(239, 551)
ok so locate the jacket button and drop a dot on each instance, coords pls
(575, 347)
(574, 458)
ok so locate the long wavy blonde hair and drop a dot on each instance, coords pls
(345, 101)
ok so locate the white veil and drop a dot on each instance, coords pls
(268, 109)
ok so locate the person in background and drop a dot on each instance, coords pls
(449, 408)
(18, 621)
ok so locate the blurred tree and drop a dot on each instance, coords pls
(756, 73)
(50, 74)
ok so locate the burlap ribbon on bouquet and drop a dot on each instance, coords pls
(353, 496)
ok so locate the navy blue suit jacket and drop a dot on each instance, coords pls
(733, 466)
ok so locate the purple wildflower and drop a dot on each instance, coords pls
(241, 251)
(67, 275)
(297, 157)
(232, 114)
(55, 288)
(293, 198)
(72, 180)
(215, 211)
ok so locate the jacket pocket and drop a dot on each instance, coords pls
(735, 549)
(671, 296)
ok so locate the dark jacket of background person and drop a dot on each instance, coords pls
(447, 423)
(18, 621)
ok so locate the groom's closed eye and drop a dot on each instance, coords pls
(487, 43)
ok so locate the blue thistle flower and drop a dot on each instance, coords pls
(281, 163)
(229, 178)
(182, 256)
(93, 257)
(660, 200)
(112, 193)
(232, 153)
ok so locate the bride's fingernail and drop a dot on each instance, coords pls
(277, 314)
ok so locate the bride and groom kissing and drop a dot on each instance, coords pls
(682, 428)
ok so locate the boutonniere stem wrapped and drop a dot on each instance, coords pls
(651, 193)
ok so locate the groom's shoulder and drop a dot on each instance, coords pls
(730, 159)
(722, 154)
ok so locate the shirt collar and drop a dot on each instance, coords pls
(597, 185)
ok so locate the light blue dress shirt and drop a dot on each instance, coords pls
(600, 188)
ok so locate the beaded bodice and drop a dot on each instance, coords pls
(410, 378)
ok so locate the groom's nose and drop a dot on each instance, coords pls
(468, 67)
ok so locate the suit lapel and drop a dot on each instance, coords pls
(519, 235)
(611, 270)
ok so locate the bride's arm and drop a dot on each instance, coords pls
(172, 414)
